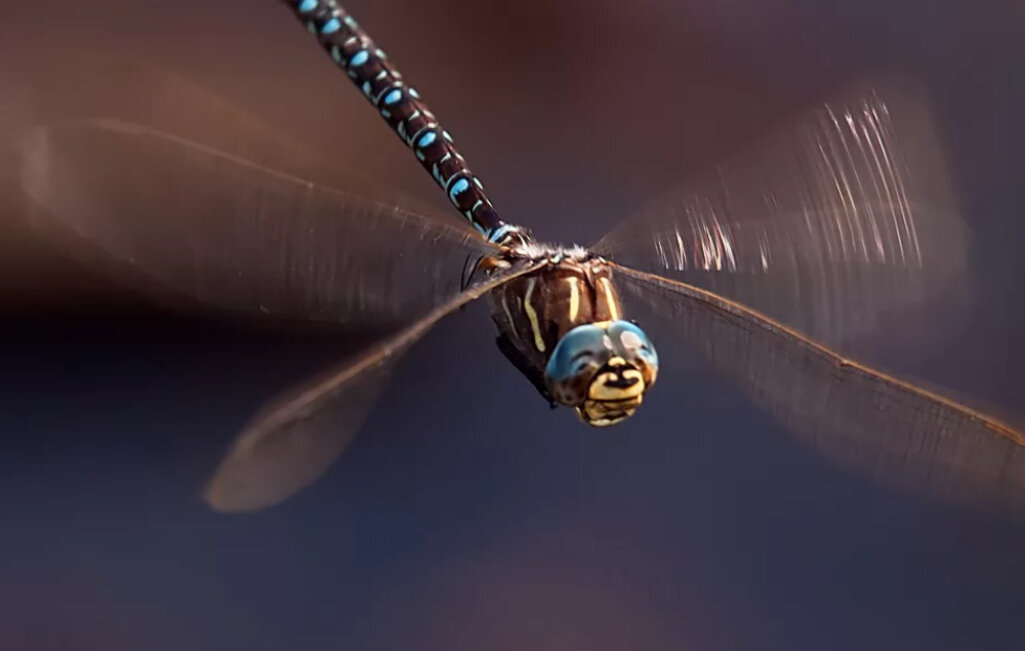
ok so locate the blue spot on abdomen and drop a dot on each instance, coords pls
(331, 26)
(458, 188)
(426, 139)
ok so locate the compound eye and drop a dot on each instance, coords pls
(581, 361)
(631, 340)
(636, 344)
(580, 350)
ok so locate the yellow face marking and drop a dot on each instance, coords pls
(610, 297)
(603, 414)
(606, 421)
(535, 325)
(599, 390)
(574, 299)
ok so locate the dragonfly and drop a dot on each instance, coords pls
(764, 273)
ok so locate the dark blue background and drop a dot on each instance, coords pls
(467, 515)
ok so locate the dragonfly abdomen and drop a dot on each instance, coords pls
(405, 112)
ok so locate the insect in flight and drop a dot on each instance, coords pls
(821, 234)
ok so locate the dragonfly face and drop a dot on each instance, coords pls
(603, 370)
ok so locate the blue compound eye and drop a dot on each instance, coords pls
(634, 341)
(579, 349)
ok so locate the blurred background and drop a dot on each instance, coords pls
(454, 525)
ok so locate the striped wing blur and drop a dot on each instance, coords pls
(832, 227)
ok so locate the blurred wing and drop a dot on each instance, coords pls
(827, 228)
(237, 235)
(293, 441)
(127, 90)
(874, 422)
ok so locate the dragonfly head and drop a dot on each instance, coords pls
(603, 370)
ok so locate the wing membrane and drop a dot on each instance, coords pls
(871, 421)
(237, 235)
(135, 92)
(294, 440)
(829, 227)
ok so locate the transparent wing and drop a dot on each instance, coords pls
(235, 234)
(829, 227)
(232, 213)
(135, 92)
(891, 429)
(293, 441)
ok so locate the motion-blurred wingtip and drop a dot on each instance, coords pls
(222, 499)
(215, 500)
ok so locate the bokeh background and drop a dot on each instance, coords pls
(494, 523)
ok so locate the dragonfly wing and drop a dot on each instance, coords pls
(872, 421)
(293, 441)
(136, 92)
(829, 227)
(235, 234)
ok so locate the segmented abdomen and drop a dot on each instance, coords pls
(400, 105)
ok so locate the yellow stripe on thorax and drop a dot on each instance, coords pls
(532, 315)
(574, 299)
(610, 298)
